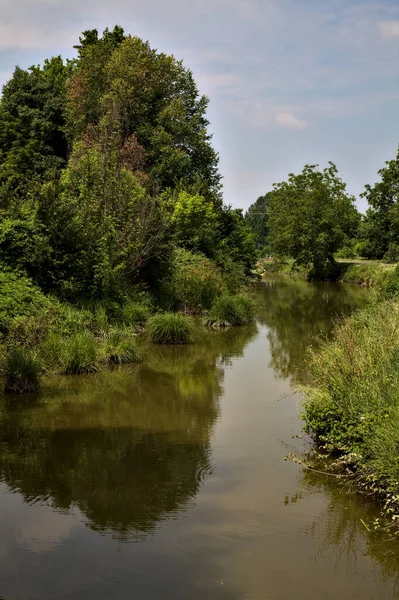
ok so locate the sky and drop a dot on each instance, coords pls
(290, 82)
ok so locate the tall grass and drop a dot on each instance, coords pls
(171, 328)
(72, 355)
(231, 310)
(352, 406)
(120, 347)
(22, 371)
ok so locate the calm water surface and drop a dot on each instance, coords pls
(167, 480)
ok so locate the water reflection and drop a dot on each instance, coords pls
(129, 447)
(340, 530)
(296, 313)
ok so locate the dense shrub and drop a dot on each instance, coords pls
(196, 280)
(171, 328)
(19, 297)
(230, 310)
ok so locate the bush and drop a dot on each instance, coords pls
(390, 288)
(196, 281)
(21, 371)
(231, 310)
(19, 297)
(171, 328)
(134, 313)
(120, 347)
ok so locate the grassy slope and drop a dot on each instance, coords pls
(352, 407)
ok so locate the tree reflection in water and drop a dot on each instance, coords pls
(128, 447)
(296, 313)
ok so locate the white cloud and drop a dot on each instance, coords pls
(389, 29)
(288, 120)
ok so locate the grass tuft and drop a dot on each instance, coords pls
(231, 310)
(22, 371)
(120, 347)
(171, 328)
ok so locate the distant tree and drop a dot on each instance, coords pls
(257, 219)
(380, 231)
(311, 216)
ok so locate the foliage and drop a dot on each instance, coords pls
(171, 328)
(32, 140)
(155, 99)
(18, 297)
(381, 225)
(195, 282)
(257, 219)
(352, 406)
(230, 310)
(310, 217)
(237, 243)
(21, 371)
(120, 346)
(194, 222)
(72, 355)
(372, 275)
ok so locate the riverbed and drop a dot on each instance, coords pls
(168, 479)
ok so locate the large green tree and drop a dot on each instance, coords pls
(380, 230)
(155, 100)
(310, 217)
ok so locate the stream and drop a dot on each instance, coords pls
(167, 480)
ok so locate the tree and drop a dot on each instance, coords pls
(32, 140)
(154, 98)
(257, 219)
(381, 228)
(310, 216)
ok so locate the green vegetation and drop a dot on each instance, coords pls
(310, 222)
(352, 407)
(369, 274)
(21, 371)
(120, 347)
(110, 203)
(230, 310)
(171, 328)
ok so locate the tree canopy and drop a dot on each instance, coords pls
(310, 216)
(106, 166)
(380, 229)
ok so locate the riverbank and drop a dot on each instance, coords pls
(40, 334)
(367, 273)
(351, 408)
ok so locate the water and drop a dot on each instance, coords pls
(167, 480)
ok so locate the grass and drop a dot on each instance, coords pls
(352, 407)
(22, 371)
(370, 274)
(231, 310)
(120, 347)
(171, 328)
(72, 355)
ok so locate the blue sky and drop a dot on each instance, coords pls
(290, 81)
